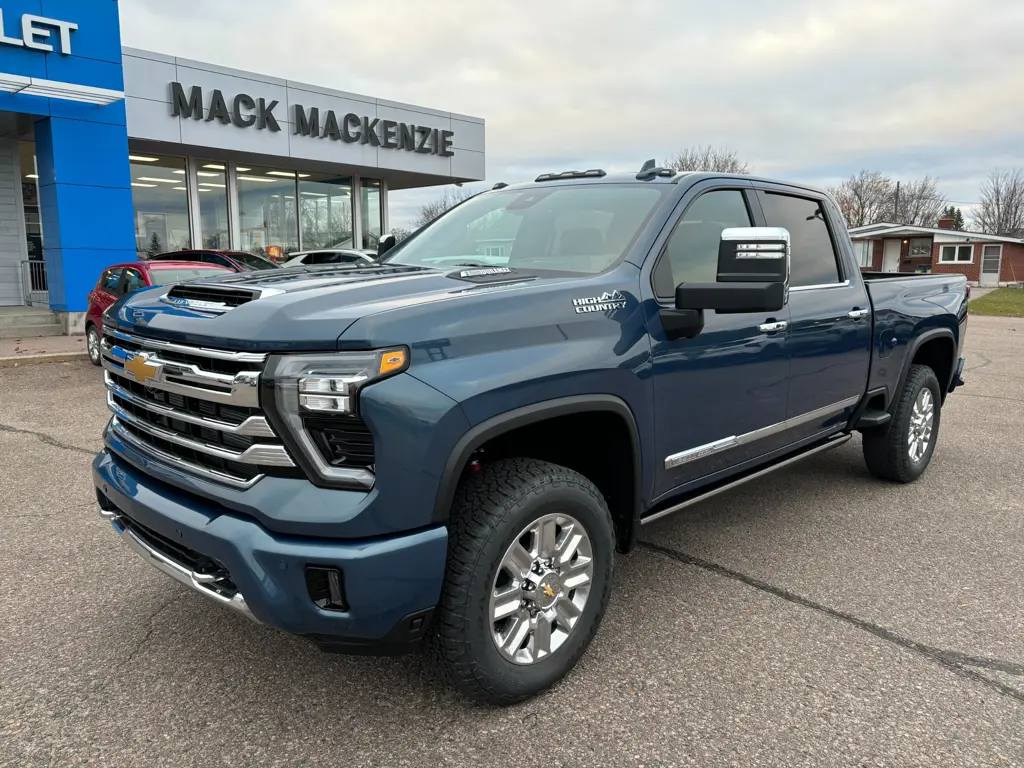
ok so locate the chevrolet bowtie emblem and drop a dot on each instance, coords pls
(138, 366)
(548, 591)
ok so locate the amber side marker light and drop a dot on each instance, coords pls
(392, 360)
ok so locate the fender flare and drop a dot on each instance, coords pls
(521, 417)
(908, 360)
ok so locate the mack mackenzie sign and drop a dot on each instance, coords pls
(351, 128)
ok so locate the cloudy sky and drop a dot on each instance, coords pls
(812, 90)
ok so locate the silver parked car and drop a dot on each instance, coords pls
(332, 256)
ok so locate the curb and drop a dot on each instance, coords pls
(16, 361)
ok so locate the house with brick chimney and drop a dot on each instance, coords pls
(984, 259)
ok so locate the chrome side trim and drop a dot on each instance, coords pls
(243, 387)
(700, 452)
(758, 434)
(176, 570)
(205, 472)
(834, 442)
(820, 286)
(262, 453)
(254, 426)
(215, 354)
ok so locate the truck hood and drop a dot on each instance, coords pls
(298, 308)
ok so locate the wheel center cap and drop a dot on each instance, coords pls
(548, 589)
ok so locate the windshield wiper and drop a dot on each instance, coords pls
(472, 264)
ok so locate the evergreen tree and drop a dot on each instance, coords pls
(154, 247)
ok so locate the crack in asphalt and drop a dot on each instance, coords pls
(152, 628)
(46, 439)
(959, 663)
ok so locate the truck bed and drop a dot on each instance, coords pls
(908, 309)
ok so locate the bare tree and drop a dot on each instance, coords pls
(709, 158)
(865, 198)
(919, 203)
(450, 197)
(871, 197)
(1001, 210)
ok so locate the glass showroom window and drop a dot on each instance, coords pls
(371, 213)
(325, 211)
(160, 199)
(267, 212)
(212, 185)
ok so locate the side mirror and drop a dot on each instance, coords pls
(753, 273)
(385, 244)
(753, 276)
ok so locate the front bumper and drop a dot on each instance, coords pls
(390, 583)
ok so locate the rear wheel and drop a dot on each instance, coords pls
(92, 344)
(529, 573)
(903, 451)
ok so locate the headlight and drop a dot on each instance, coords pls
(313, 401)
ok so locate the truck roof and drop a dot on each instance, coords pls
(655, 176)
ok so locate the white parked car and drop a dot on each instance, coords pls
(331, 256)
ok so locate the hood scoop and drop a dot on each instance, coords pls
(215, 299)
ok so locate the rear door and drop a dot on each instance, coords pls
(713, 394)
(829, 341)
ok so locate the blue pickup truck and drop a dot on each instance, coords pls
(445, 448)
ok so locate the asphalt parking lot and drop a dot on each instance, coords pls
(817, 617)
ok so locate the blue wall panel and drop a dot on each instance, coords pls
(81, 149)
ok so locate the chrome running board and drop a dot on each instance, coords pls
(834, 442)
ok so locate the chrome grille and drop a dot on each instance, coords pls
(192, 407)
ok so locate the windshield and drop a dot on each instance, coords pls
(181, 274)
(252, 261)
(582, 229)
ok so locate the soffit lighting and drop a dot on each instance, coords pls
(164, 181)
(54, 89)
(142, 159)
(260, 179)
(283, 174)
(136, 184)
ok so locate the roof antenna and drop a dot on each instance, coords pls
(649, 165)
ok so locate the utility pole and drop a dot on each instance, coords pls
(896, 206)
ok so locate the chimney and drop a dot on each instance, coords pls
(946, 222)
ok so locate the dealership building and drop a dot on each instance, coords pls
(110, 154)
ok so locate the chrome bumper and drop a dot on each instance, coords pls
(196, 581)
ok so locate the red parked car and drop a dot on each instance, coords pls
(236, 261)
(120, 279)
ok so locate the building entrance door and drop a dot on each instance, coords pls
(891, 256)
(991, 261)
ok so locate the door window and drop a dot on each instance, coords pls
(691, 254)
(133, 280)
(814, 256)
(111, 282)
(324, 258)
(990, 258)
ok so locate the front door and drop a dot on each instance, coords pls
(712, 392)
(991, 261)
(891, 256)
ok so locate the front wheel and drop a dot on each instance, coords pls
(902, 452)
(92, 344)
(529, 574)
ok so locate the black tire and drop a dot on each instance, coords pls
(492, 508)
(887, 452)
(92, 345)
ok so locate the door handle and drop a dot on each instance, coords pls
(858, 314)
(773, 326)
